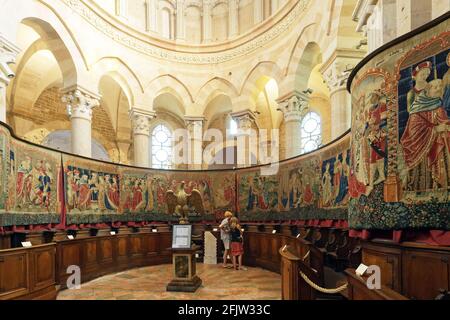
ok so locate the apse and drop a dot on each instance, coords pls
(242, 151)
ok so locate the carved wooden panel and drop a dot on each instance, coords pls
(90, 252)
(71, 255)
(44, 267)
(425, 273)
(152, 243)
(275, 246)
(122, 248)
(264, 245)
(165, 242)
(106, 250)
(388, 259)
(136, 245)
(13, 275)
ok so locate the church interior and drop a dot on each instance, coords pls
(299, 149)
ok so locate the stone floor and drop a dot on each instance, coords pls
(149, 283)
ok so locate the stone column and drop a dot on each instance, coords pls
(207, 22)
(439, 7)
(377, 20)
(3, 85)
(273, 6)
(140, 123)
(150, 16)
(233, 11)
(294, 106)
(412, 14)
(180, 36)
(258, 11)
(336, 73)
(247, 139)
(8, 52)
(122, 8)
(80, 103)
(195, 145)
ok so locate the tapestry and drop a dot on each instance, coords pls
(257, 195)
(314, 186)
(143, 192)
(4, 158)
(32, 185)
(91, 190)
(400, 159)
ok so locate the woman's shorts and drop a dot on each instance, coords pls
(226, 243)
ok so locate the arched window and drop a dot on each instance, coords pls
(62, 140)
(161, 147)
(311, 132)
(232, 126)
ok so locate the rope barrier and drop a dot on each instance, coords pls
(306, 255)
(320, 289)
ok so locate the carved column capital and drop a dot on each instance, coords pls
(294, 106)
(80, 102)
(8, 53)
(195, 127)
(337, 70)
(244, 120)
(140, 121)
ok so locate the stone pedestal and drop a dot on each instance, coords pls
(210, 255)
(185, 278)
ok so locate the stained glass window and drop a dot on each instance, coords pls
(161, 147)
(311, 132)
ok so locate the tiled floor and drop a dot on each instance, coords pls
(149, 283)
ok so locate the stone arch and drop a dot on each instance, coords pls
(307, 46)
(169, 84)
(26, 96)
(169, 103)
(67, 53)
(211, 90)
(249, 88)
(120, 72)
(55, 38)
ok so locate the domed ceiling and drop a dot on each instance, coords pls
(192, 21)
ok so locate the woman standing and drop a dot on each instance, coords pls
(237, 246)
(225, 236)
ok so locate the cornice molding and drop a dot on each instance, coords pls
(146, 47)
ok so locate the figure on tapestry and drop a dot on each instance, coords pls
(224, 193)
(303, 186)
(258, 193)
(376, 128)
(34, 182)
(370, 142)
(91, 191)
(135, 194)
(335, 180)
(424, 107)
